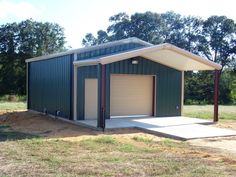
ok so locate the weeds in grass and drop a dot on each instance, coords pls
(115, 159)
(172, 143)
(124, 157)
(142, 139)
(99, 143)
(127, 148)
(105, 140)
(200, 170)
(167, 142)
(106, 155)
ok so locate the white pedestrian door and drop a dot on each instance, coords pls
(91, 95)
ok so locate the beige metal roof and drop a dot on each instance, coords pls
(165, 54)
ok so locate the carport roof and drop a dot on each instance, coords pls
(165, 54)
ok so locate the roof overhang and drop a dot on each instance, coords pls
(165, 54)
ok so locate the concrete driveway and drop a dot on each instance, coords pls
(183, 128)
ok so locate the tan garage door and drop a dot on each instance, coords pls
(91, 95)
(131, 95)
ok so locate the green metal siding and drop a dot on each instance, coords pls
(168, 84)
(83, 73)
(50, 85)
(108, 50)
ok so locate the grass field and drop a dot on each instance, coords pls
(198, 111)
(9, 106)
(37, 145)
(206, 111)
(110, 155)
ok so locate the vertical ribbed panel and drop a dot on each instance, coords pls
(83, 72)
(168, 84)
(50, 85)
(108, 51)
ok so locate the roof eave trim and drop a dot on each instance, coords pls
(86, 62)
(84, 49)
(130, 54)
(165, 46)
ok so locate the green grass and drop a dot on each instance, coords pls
(105, 143)
(13, 98)
(107, 155)
(12, 106)
(143, 139)
(105, 140)
(206, 111)
(197, 111)
(24, 154)
(128, 148)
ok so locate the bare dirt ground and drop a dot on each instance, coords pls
(65, 145)
(225, 144)
(49, 127)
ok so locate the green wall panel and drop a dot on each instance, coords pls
(83, 73)
(168, 84)
(50, 84)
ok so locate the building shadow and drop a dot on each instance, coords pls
(8, 134)
(18, 125)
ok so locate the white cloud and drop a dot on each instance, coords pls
(17, 10)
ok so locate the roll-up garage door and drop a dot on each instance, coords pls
(131, 95)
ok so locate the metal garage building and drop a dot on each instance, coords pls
(129, 77)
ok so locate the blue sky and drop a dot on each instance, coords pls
(79, 17)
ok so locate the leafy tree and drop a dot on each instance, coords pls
(89, 40)
(199, 87)
(214, 39)
(233, 88)
(217, 42)
(119, 28)
(19, 41)
(152, 27)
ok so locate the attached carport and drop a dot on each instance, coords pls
(165, 54)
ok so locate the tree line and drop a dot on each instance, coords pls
(213, 39)
(20, 41)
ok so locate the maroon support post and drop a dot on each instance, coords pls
(216, 94)
(103, 97)
(153, 95)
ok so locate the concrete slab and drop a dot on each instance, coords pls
(191, 131)
(171, 121)
(175, 127)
